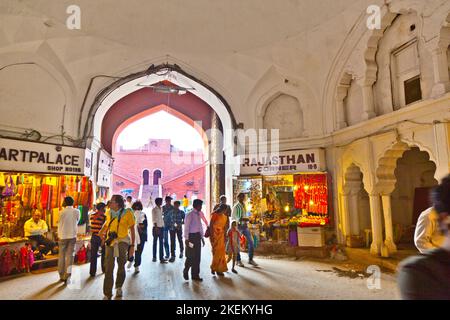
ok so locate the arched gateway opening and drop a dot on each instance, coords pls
(160, 152)
(201, 106)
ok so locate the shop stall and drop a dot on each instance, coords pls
(37, 177)
(288, 196)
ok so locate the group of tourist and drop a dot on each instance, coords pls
(119, 230)
(120, 226)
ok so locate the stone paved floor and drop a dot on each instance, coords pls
(276, 278)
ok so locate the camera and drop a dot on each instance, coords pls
(111, 236)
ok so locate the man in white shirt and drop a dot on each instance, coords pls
(67, 233)
(35, 229)
(129, 202)
(158, 230)
(426, 276)
(427, 234)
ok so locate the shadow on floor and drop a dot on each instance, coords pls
(51, 287)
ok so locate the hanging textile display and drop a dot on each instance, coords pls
(311, 193)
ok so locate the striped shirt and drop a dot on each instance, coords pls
(97, 221)
(238, 212)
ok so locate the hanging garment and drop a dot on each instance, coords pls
(90, 194)
(45, 189)
(9, 187)
(2, 180)
(50, 195)
(23, 258)
(5, 262)
(55, 216)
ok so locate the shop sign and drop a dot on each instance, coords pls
(26, 156)
(105, 165)
(283, 162)
(105, 162)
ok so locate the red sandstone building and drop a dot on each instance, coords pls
(159, 169)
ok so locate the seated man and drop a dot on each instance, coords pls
(35, 229)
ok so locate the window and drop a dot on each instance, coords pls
(412, 90)
(145, 175)
(156, 176)
(405, 75)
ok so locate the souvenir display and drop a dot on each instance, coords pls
(23, 193)
(278, 205)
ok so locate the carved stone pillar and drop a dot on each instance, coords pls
(377, 232)
(387, 211)
(341, 93)
(353, 205)
(345, 217)
(440, 68)
(368, 102)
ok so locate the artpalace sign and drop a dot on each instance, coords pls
(26, 156)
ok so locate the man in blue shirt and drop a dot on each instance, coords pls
(176, 229)
(193, 235)
(167, 216)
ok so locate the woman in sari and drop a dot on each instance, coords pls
(217, 228)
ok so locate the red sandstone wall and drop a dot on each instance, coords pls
(180, 188)
(126, 185)
(131, 165)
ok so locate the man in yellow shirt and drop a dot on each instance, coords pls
(115, 232)
(185, 203)
(35, 229)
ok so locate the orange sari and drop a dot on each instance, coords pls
(219, 262)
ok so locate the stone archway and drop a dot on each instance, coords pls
(401, 171)
(128, 98)
(414, 175)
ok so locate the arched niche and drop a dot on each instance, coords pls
(284, 113)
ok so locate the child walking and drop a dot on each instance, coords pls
(233, 244)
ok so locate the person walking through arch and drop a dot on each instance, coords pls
(97, 220)
(185, 203)
(141, 234)
(67, 233)
(119, 225)
(167, 217)
(228, 210)
(193, 235)
(239, 214)
(217, 227)
(158, 230)
(176, 229)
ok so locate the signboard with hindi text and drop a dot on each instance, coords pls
(27, 156)
(283, 162)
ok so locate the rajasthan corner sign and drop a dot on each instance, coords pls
(283, 162)
(25, 156)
